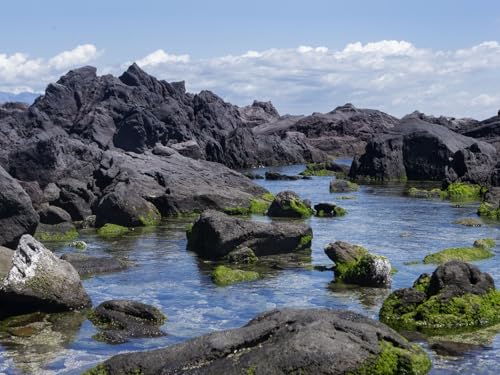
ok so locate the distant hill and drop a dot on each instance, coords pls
(23, 97)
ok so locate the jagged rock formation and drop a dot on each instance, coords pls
(487, 130)
(419, 150)
(343, 131)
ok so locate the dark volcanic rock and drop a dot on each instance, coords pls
(284, 341)
(53, 215)
(39, 281)
(456, 278)
(6, 256)
(275, 176)
(88, 265)
(487, 130)
(289, 204)
(214, 235)
(258, 113)
(418, 150)
(17, 216)
(124, 319)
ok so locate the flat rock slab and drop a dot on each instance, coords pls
(284, 341)
(88, 265)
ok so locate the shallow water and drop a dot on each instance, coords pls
(164, 274)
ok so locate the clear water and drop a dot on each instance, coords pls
(164, 274)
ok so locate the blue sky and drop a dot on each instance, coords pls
(300, 47)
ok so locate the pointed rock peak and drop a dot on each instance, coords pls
(135, 76)
(83, 74)
(268, 107)
(348, 107)
(179, 86)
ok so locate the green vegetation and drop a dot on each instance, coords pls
(392, 360)
(111, 230)
(258, 206)
(340, 186)
(305, 241)
(339, 211)
(223, 275)
(320, 169)
(79, 245)
(152, 218)
(301, 208)
(480, 250)
(488, 210)
(461, 191)
(48, 236)
(423, 193)
(98, 370)
(436, 314)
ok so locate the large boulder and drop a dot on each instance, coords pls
(53, 215)
(214, 235)
(120, 320)
(355, 265)
(39, 281)
(289, 204)
(17, 216)
(456, 296)
(285, 341)
(419, 150)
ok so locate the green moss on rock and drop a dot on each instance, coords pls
(258, 206)
(152, 218)
(111, 230)
(305, 241)
(468, 222)
(488, 210)
(465, 254)
(462, 191)
(423, 193)
(301, 208)
(486, 243)
(55, 236)
(223, 275)
(393, 360)
(340, 211)
(98, 370)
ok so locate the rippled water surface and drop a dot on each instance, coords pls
(164, 274)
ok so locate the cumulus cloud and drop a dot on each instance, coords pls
(395, 76)
(20, 72)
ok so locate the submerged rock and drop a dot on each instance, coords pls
(64, 231)
(354, 265)
(480, 250)
(342, 186)
(329, 210)
(88, 265)
(223, 275)
(214, 235)
(457, 296)
(289, 204)
(53, 215)
(275, 176)
(17, 216)
(284, 341)
(39, 281)
(120, 320)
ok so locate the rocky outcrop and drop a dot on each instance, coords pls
(17, 216)
(284, 341)
(289, 204)
(457, 296)
(418, 150)
(120, 320)
(342, 186)
(487, 130)
(355, 265)
(39, 281)
(343, 131)
(214, 235)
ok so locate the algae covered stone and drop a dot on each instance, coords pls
(480, 250)
(342, 186)
(289, 204)
(457, 296)
(329, 210)
(355, 265)
(223, 275)
(112, 230)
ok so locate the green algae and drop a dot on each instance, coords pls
(223, 275)
(489, 211)
(305, 241)
(480, 250)
(258, 206)
(393, 360)
(55, 236)
(112, 230)
(152, 218)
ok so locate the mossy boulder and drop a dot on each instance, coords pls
(112, 230)
(457, 296)
(464, 191)
(480, 250)
(223, 275)
(489, 210)
(424, 193)
(329, 168)
(355, 265)
(342, 186)
(329, 210)
(242, 255)
(468, 222)
(258, 206)
(289, 204)
(285, 341)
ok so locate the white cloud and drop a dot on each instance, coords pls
(395, 76)
(77, 56)
(19, 72)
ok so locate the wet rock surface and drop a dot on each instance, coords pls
(87, 265)
(120, 320)
(283, 341)
(289, 204)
